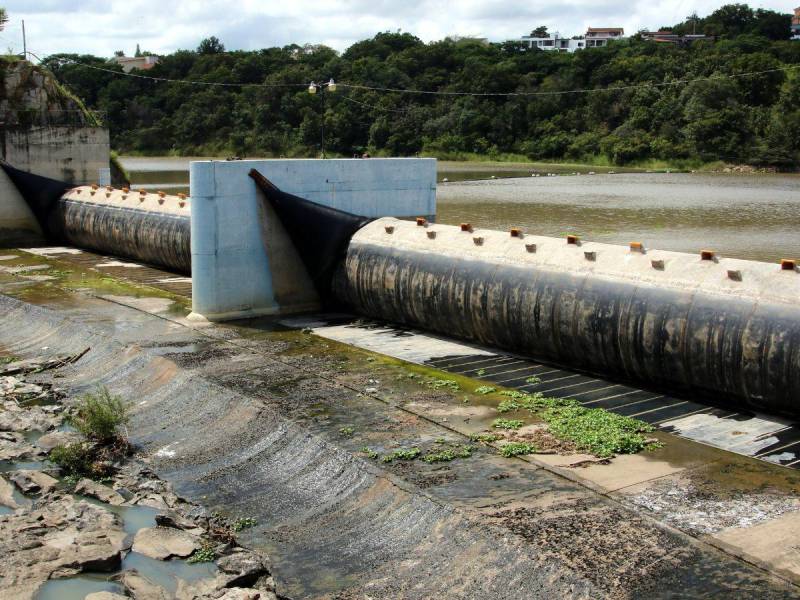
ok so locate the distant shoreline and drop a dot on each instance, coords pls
(507, 164)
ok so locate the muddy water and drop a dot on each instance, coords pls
(743, 216)
(753, 217)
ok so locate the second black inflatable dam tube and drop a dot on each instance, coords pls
(721, 328)
(147, 227)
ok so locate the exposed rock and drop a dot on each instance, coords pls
(33, 482)
(176, 521)
(90, 488)
(58, 438)
(164, 542)
(14, 417)
(140, 587)
(14, 446)
(238, 593)
(153, 501)
(241, 568)
(7, 494)
(61, 537)
(105, 596)
(36, 365)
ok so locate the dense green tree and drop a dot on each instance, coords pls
(733, 98)
(210, 45)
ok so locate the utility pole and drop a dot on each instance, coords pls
(24, 42)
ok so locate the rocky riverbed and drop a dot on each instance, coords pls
(127, 534)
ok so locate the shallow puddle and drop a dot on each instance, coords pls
(167, 572)
(133, 517)
(77, 588)
(24, 465)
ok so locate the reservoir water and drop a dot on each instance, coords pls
(744, 216)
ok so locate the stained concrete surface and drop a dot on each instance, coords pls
(248, 419)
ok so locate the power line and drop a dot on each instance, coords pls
(574, 91)
(355, 86)
(395, 110)
(180, 81)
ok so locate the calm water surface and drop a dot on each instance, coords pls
(744, 216)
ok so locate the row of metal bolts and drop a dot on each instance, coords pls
(786, 264)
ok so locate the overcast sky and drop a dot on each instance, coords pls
(102, 26)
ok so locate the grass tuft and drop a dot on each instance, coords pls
(401, 454)
(485, 437)
(243, 523)
(507, 423)
(205, 554)
(517, 449)
(485, 389)
(448, 454)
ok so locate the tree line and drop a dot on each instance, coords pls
(734, 97)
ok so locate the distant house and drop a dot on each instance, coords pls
(554, 43)
(129, 63)
(796, 24)
(668, 37)
(600, 36)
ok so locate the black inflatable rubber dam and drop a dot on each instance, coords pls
(149, 227)
(726, 330)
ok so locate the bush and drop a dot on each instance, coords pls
(100, 415)
(74, 460)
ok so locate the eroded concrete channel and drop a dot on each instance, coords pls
(257, 420)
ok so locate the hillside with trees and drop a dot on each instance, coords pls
(734, 98)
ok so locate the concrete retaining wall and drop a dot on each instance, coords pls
(17, 223)
(71, 154)
(243, 263)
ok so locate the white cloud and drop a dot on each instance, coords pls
(101, 27)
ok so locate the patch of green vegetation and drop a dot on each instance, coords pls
(58, 272)
(507, 423)
(6, 360)
(75, 460)
(438, 384)
(203, 555)
(369, 452)
(486, 438)
(481, 372)
(485, 389)
(517, 449)
(402, 454)
(243, 523)
(532, 402)
(448, 454)
(99, 416)
(533, 379)
(347, 431)
(598, 431)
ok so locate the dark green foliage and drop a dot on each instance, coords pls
(640, 108)
(75, 460)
